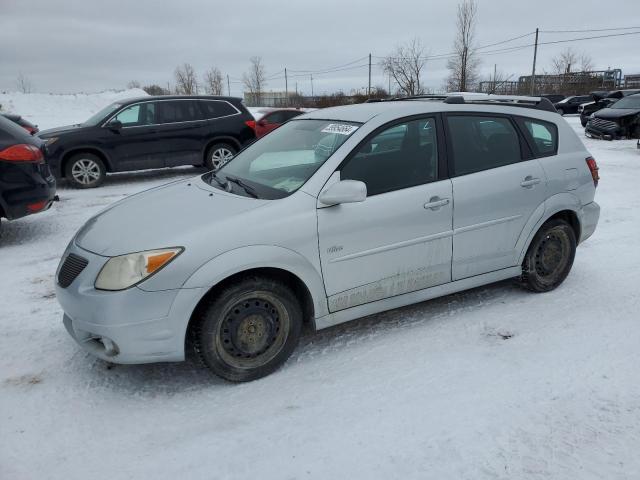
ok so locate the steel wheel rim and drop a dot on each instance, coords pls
(254, 329)
(85, 171)
(552, 255)
(221, 156)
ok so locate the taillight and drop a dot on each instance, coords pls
(22, 153)
(593, 168)
(251, 123)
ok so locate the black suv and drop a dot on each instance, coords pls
(150, 132)
(26, 183)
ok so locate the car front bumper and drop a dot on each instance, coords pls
(127, 326)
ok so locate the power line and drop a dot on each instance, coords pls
(589, 30)
(307, 72)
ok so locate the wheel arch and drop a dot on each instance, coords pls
(286, 266)
(220, 139)
(563, 206)
(93, 150)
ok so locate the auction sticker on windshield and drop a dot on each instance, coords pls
(340, 128)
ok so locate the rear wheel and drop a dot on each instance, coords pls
(85, 170)
(218, 155)
(550, 257)
(248, 330)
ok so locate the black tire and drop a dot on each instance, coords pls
(218, 155)
(583, 122)
(550, 257)
(85, 170)
(560, 111)
(248, 330)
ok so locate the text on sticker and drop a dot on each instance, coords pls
(340, 128)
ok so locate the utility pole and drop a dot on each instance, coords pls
(533, 71)
(228, 85)
(389, 92)
(495, 68)
(312, 84)
(286, 88)
(369, 89)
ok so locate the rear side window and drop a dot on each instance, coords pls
(178, 111)
(482, 142)
(216, 109)
(401, 156)
(544, 136)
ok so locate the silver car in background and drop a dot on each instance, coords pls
(340, 213)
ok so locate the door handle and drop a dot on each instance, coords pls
(529, 182)
(435, 203)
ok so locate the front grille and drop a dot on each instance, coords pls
(71, 268)
(601, 124)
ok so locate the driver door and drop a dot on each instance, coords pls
(399, 239)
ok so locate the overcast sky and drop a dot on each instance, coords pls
(92, 45)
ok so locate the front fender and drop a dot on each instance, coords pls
(551, 206)
(261, 256)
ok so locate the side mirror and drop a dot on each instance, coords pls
(115, 125)
(345, 191)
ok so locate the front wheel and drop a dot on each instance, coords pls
(248, 330)
(85, 170)
(550, 257)
(560, 111)
(219, 155)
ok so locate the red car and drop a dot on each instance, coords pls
(273, 119)
(28, 126)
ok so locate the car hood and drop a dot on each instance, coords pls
(52, 132)
(168, 216)
(613, 113)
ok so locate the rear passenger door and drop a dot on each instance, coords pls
(497, 187)
(181, 132)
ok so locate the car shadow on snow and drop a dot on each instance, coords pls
(170, 379)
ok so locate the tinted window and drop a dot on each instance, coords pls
(480, 143)
(178, 111)
(275, 117)
(215, 109)
(545, 136)
(402, 156)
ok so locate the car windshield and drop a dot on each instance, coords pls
(628, 102)
(281, 162)
(98, 117)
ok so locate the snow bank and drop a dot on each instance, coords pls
(48, 110)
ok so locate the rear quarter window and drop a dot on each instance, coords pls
(216, 109)
(543, 136)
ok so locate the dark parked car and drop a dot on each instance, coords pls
(602, 100)
(571, 104)
(26, 183)
(552, 97)
(273, 119)
(622, 119)
(26, 124)
(150, 132)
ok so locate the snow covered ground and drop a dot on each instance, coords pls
(493, 383)
(54, 110)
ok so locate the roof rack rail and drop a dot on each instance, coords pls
(538, 103)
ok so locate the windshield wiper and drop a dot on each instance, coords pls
(247, 188)
(222, 184)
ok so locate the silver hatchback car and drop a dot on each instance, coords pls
(340, 213)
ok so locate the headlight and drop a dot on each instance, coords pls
(120, 273)
(50, 141)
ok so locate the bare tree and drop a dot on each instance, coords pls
(255, 80)
(463, 65)
(569, 61)
(133, 84)
(405, 66)
(23, 83)
(186, 80)
(213, 82)
(156, 90)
